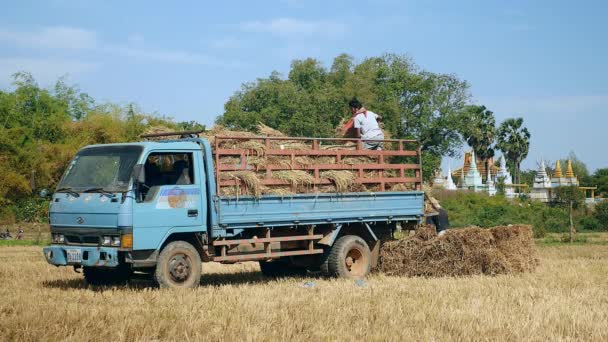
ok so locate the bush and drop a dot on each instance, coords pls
(601, 214)
(588, 223)
(468, 208)
(31, 209)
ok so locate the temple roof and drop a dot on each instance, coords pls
(481, 167)
(558, 169)
(569, 170)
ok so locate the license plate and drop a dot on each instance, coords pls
(73, 255)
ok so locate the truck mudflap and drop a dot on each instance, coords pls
(84, 256)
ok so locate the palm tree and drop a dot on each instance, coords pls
(514, 141)
(479, 130)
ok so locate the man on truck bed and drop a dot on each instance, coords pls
(365, 122)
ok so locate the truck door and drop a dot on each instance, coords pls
(171, 198)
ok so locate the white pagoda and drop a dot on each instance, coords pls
(490, 187)
(504, 176)
(473, 180)
(449, 183)
(542, 184)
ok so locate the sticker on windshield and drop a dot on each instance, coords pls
(177, 198)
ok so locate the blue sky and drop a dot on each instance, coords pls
(543, 60)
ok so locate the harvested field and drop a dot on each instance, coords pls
(461, 252)
(564, 299)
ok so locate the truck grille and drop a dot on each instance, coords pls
(83, 240)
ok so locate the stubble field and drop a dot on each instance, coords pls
(565, 299)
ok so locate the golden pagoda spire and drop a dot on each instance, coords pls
(569, 171)
(558, 169)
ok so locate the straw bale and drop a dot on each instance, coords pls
(461, 252)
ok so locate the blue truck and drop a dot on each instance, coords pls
(116, 212)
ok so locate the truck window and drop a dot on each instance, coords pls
(167, 168)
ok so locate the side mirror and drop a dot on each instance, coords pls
(139, 174)
(44, 193)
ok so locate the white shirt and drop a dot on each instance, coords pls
(368, 125)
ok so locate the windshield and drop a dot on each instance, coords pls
(105, 167)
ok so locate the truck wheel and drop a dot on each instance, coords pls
(178, 266)
(349, 257)
(107, 276)
(281, 268)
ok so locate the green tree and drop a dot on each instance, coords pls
(514, 141)
(600, 179)
(313, 100)
(572, 198)
(601, 214)
(479, 131)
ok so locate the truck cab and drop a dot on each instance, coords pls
(104, 219)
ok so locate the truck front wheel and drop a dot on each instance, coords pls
(349, 257)
(178, 266)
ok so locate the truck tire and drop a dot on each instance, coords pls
(348, 257)
(97, 276)
(281, 268)
(178, 266)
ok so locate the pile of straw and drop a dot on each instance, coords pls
(461, 252)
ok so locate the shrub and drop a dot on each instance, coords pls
(467, 208)
(601, 214)
(31, 209)
(588, 223)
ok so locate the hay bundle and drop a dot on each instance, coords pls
(461, 252)
(294, 177)
(251, 181)
(268, 131)
(341, 179)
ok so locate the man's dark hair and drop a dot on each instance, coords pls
(354, 103)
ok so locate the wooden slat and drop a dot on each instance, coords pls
(348, 167)
(343, 152)
(263, 240)
(262, 256)
(325, 181)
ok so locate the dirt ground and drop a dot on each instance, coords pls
(566, 298)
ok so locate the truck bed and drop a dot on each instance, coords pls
(322, 208)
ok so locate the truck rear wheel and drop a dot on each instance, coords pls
(97, 276)
(178, 266)
(349, 257)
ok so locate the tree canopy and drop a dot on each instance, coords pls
(479, 131)
(514, 141)
(41, 130)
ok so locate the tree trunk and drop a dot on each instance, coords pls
(571, 224)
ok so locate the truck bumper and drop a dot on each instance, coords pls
(89, 256)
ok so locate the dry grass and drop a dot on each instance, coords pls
(565, 299)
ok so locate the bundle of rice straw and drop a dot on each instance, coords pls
(268, 131)
(341, 179)
(295, 177)
(252, 183)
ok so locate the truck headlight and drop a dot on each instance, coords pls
(107, 240)
(58, 238)
(116, 241)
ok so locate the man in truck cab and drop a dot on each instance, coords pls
(365, 125)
